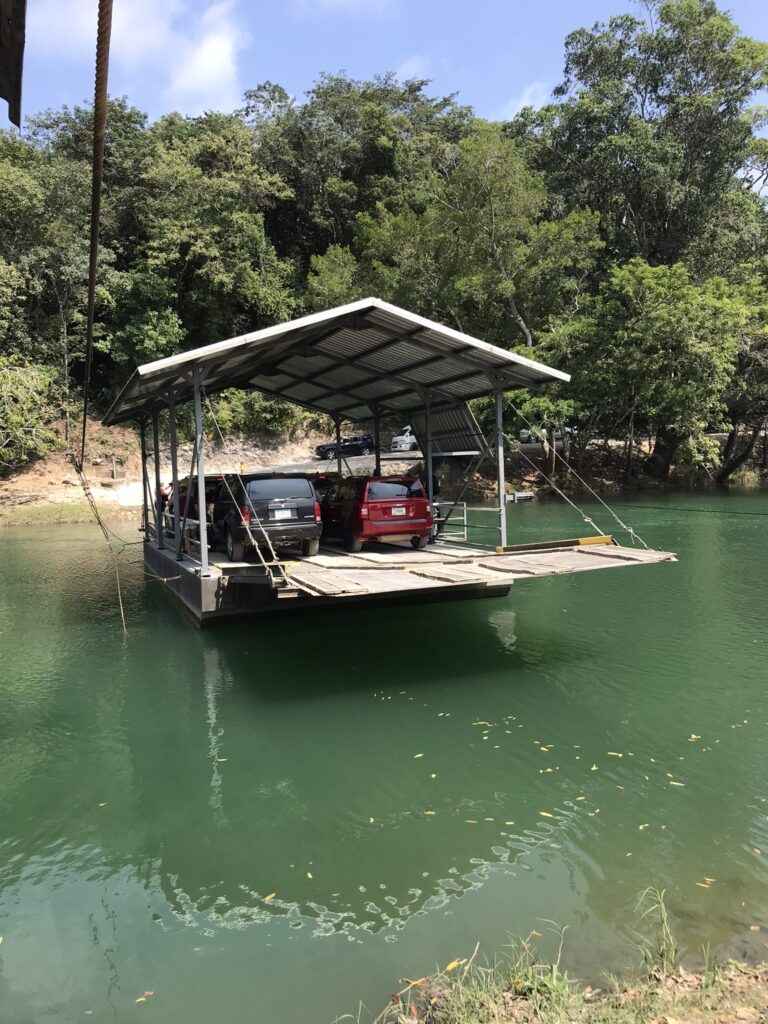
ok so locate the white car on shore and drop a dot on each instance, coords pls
(405, 441)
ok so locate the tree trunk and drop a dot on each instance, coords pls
(630, 446)
(659, 462)
(737, 459)
(730, 442)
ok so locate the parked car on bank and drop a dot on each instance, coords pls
(354, 444)
(283, 506)
(360, 509)
(535, 435)
(404, 441)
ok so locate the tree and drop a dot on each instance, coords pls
(654, 352)
(652, 129)
(27, 397)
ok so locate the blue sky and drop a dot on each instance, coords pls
(192, 55)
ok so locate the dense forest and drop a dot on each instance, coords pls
(618, 232)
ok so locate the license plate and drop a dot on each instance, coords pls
(398, 510)
(281, 513)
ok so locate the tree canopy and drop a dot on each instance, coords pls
(620, 231)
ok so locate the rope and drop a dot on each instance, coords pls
(250, 503)
(569, 467)
(553, 485)
(99, 122)
(105, 531)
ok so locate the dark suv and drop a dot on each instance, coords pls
(354, 444)
(283, 506)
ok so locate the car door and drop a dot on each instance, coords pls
(330, 509)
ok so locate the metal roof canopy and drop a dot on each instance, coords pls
(353, 362)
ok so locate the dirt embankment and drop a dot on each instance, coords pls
(49, 489)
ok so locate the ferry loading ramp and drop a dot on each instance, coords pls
(358, 362)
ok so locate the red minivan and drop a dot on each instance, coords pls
(358, 509)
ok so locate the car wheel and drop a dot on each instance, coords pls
(310, 547)
(366, 451)
(352, 543)
(235, 551)
(330, 454)
(419, 543)
(414, 447)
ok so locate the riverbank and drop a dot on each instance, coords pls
(541, 994)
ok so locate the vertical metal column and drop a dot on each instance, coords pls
(376, 441)
(337, 421)
(158, 503)
(428, 452)
(500, 468)
(144, 509)
(200, 444)
(174, 473)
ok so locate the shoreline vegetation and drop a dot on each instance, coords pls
(618, 232)
(522, 989)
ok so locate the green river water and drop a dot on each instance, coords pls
(156, 789)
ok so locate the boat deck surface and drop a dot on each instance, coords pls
(388, 568)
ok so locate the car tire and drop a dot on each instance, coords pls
(330, 455)
(419, 543)
(414, 447)
(352, 543)
(366, 451)
(235, 551)
(310, 547)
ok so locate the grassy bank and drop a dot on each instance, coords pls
(522, 989)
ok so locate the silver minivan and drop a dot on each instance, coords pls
(404, 441)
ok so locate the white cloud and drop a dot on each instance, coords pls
(415, 66)
(187, 51)
(365, 8)
(536, 94)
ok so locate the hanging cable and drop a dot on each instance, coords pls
(587, 519)
(97, 175)
(628, 529)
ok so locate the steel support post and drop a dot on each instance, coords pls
(500, 468)
(200, 445)
(428, 452)
(174, 472)
(158, 504)
(376, 441)
(337, 421)
(144, 509)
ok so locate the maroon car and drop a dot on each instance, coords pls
(359, 509)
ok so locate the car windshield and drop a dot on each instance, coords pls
(381, 490)
(280, 487)
(403, 432)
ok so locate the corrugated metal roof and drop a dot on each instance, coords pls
(343, 362)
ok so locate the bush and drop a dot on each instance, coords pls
(28, 397)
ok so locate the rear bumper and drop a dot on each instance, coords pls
(395, 528)
(280, 534)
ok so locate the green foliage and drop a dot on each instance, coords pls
(27, 397)
(252, 413)
(620, 232)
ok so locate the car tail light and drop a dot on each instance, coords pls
(317, 512)
(245, 512)
(363, 511)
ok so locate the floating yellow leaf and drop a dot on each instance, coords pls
(271, 896)
(641, 827)
(470, 821)
(418, 755)
(431, 813)
(673, 783)
(433, 775)
(509, 823)
(141, 999)
(454, 964)
(702, 885)
(709, 879)
(309, 874)
(754, 927)
(546, 814)
(613, 753)
(581, 798)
